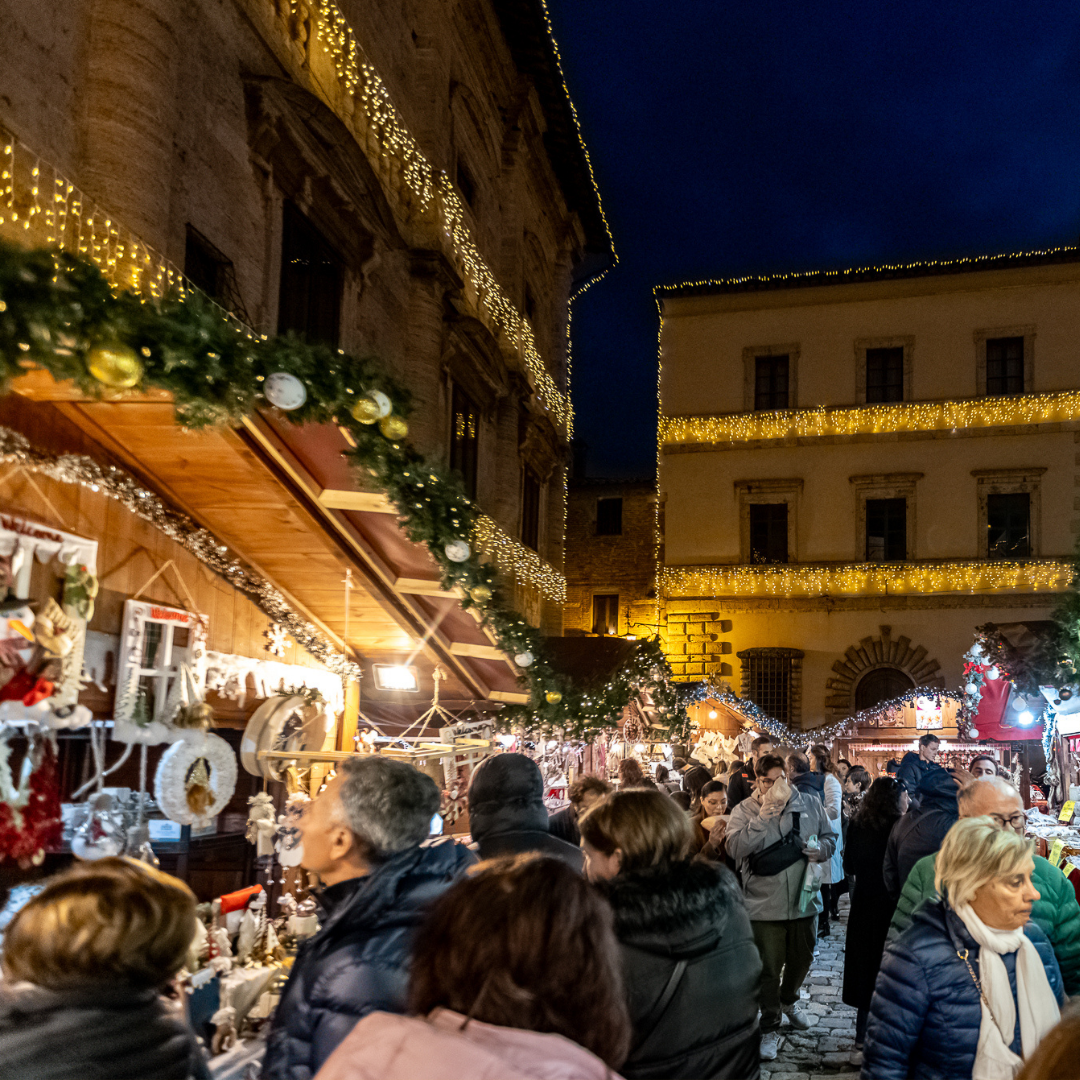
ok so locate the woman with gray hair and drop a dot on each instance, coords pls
(970, 988)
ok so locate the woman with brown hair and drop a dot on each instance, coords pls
(84, 965)
(690, 964)
(515, 975)
(631, 775)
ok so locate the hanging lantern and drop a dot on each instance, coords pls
(285, 391)
(457, 551)
(114, 365)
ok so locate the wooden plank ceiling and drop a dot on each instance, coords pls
(284, 499)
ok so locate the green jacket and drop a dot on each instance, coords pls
(1056, 912)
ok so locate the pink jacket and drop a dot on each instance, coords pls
(384, 1046)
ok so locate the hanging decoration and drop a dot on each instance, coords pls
(275, 635)
(30, 821)
(195, 778)
(58, 307)
(290, 722)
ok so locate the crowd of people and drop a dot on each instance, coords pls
(662, 928)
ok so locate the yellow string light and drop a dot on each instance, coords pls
(379, 128)
(865, 579)
(515, 560)
(856, 273)
(878, 419)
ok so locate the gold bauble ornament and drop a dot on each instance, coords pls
(114, 365)
(394, 428)
(366, 411)
(553, 697)
(480, 593)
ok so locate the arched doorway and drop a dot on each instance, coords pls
(881, 684)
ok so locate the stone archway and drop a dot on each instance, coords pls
(870, 654)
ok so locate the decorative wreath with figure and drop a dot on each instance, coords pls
(195, 779)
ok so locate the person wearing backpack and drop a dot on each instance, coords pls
(689, 962)
(773, 836)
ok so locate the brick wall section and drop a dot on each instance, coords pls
(694, 640)
(623, 564)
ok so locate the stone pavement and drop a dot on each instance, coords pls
(827, 1049)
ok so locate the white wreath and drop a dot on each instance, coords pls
(171, 779)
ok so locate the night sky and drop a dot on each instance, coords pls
(758, 136)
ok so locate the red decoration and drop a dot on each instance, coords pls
(28, 831)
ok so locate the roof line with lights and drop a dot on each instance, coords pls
(803, 279)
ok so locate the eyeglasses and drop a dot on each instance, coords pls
(1014, 821)
(765, 782)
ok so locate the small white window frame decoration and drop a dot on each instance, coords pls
(138, 615)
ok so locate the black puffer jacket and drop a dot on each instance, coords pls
(106, 1031)
(358, 962)
(691, 913)
(921, 830)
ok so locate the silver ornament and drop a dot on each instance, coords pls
(285, 391)
(523, 659)
(457, 550)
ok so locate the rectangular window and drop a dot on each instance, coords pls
(312, 276)
(768, 532)
(1004, 366)
(605, 613)
(885, 374)
(886, 530)
(609, 517)
(465, 439)
(770, 382)
(1008, 526)
(770, 684)
(530, 510)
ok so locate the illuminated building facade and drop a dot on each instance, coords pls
(858, 468)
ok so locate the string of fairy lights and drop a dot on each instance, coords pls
(876, 419)
(517, 561)
(431, 190)
(856, 273)
(39, 202)
(864, 578)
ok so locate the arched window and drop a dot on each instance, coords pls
(881, 684)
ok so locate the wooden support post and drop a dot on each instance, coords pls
(350, 718)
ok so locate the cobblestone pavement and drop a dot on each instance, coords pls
(827, 1049)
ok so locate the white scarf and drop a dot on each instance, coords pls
(994, 1060)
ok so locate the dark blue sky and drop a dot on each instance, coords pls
(757, 136)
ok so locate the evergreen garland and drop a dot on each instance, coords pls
(55, 308)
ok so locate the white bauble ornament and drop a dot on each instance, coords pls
(973, 733)
(457, 550)
(285, 391)
(381, 401)
(523, 659)
(976, 649)
(993, 673)
(970, 688)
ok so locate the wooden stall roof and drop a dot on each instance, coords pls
(285, 502)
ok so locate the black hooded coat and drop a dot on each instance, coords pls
(685, 935)
(507, 815)
(921, 830)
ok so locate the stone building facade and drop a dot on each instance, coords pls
(857, 469)
(400, 179)
(611, 557)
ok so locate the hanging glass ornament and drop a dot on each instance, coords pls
(973, 733)
(285, 391)
(553, 697)
(394, 428)
(457, 550)
(524, 659)
(970, 688)
(480, 593)
(371, 407)
(114, 365)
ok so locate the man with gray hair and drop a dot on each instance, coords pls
(1056, 911)
(364, 836)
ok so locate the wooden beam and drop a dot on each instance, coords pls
(367, 501)
(508, 698)
(481, 652)
(426, 587)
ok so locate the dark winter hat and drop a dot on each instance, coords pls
(506, 795)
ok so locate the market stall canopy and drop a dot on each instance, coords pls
(995, 718)
(283, 498)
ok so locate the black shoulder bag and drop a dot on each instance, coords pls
(776, 858)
